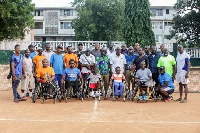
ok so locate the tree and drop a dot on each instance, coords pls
(186, 27)
(16, 18)
(99, 20)
(138, 26)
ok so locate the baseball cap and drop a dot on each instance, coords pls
(59, 46)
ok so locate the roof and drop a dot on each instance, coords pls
(53, 8)
(161, 7)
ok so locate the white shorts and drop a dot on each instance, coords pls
(181, 78)
(28, 82)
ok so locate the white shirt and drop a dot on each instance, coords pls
(87, 60)
(182, 60)
(48, 55)
(28, 64)
(118, 61)
(110, 54)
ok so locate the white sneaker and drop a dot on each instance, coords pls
(92, 93)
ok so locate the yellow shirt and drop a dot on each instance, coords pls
(38, 62)
(67, 57)
(45, 73)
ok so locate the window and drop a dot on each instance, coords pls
(159, 38)
(167, 11)
(66, 12)
(161, 25)
(38, 12)
(65, 25)
(153, 12)
(159, 12)
(53, 38)
(157, 25)
(38, 25)
(168, 24)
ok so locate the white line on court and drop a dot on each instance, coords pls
(106, 121)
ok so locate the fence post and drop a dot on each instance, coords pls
(175, 49)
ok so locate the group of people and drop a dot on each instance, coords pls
(111, 65)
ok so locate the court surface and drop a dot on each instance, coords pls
(99, 117)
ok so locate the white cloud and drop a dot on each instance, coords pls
(64, 3)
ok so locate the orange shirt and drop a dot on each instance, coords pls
(67, 57)
(118, 77)
(45, 73)
(38, 62)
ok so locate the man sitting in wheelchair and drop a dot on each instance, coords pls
(45, 75)
(71, 76)
(118, 79)
(165, 86)
(94, 82)
(143, 77)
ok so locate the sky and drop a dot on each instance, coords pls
(66, 3)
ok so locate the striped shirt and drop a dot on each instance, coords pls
(118, 77)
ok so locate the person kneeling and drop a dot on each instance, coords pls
(118, 78)
(45, 75)
(143, 77)
(165, 86)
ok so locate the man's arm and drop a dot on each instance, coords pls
(111, 69)
(81, 79)
(51, 65)
(165, 84)
(147, 61)
(23, 69)
(174, 71)
(124, 69)
(34, 65)
(188, 70)
(13, 70)
(158, 70)
(76, 64)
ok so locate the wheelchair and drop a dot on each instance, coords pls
(124, 92)
(145, 91)
(69, 92)
(48, 90)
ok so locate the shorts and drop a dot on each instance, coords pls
(168, 89)
(93, 85)
(181, 78)
(28, 82)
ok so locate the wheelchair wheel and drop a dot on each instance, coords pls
(33, 98)
(54, 101)
(59, 98)
(42, 100)
(124, 99)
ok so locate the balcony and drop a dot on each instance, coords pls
(67, 31)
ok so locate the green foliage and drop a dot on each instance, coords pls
(138, 26)
(99, 20)
(16, 18)
(187, 23)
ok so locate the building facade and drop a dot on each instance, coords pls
(54, 24)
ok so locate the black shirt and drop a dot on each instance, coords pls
(138, 60)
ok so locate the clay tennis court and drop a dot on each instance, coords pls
(104, 116)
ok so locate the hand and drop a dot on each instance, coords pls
(24, 76)
(137, 80)
(187, 75)
(44, 81)
(50, 79)
(174, 77)
(34, 75)
(15, 78)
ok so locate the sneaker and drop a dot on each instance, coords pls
(167, 99)
(16, 100)
(145, 97)
(27, 94)
(140, 98)
(22, 99)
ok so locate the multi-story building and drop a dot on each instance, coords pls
(54, 24)
(162, 22)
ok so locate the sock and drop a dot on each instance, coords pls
(22, 94)
(30, 94)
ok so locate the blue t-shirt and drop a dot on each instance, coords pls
(71, 74)
(57, 62)
(129, 60)
(18, 63)
(166, 77)
(32, 54)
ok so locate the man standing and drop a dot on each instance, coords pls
(111, 50)
(118, 60)
(80, 51)
(31, 48)
(48, 53)
(183, 70)
(153, 61)
(96, 52)
(140, 58)
(17, 70)
(28, 82)
(168, 61)
(56, 62)
(147, 50)
(87, 61)
(124, 50)
(136, 47)
(130, 57)
(68, 56)
(37, 60)
(162, 47)
(103, 65)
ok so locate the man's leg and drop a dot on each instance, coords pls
(181, 91)
(76, 83)
(186, 91)
(116, 87)
(155, 78)
(121, 85)
(106, 83)
(128, 77)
